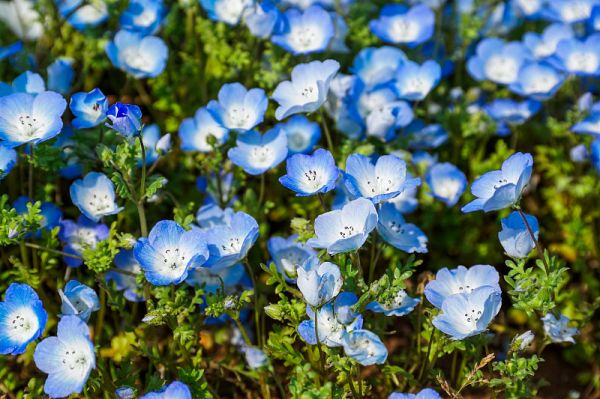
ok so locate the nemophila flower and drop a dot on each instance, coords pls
(414, 82)
(447, 182)
(228, 11)
(377, 66)
(400, 304)
(67, 358)
(264, 19)
(195, 132)
(498, 61)
(579, 153)
(61, 75)
(406, 201)
(502, 188)
(307, 90)
(426, 393)
(460, 281)
(257, 153)
(465, 315)
(22, 319)
(302, 134)
(80, 235)
(594, 20)
(169, 252)
(21, 17)
(30, 119)
(27, 82)
(175, 390)
(400, 24)
(89, 109)
(530, 8)
(568, 11)
(305, 32)
(544, 45)
(522, 341)
(365, 347)
(82, 15)
(219, 187)
(210, 215)
(8, 159)
(229, 280)
(94, 195)
(338, 41)
(558, 330)
(595, 153)
(425, 137)
(538, 80)
(78, 300)
(11, 49)
(125, 392)
(125, 119)
(255, 357)
(318, 282)
(51, 214)
(125, 261)
(589, 125)
(383, 122)
(378, 182)
(346, 229)
(506, 113)
(140, 56)
(334, 320)
(155, 144)
(401, 235)
(229, 244)
(310, 174)
(238, 108)
(515, 237)
(143, 16)
(288, 254)
(581, 58)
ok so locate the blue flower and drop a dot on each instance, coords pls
(169, 252)
(395, 231)
(28, 118)
(265, 19)
(307, 90)
(305, 32)
(414, 82)
(175, 390)
(194, 132)
(288, 254)
(229, 280)
(79, 236)
(27, 82)
(227, 11)
(11, 49)
(211, 215)
(94, 195)
(310, 174)
(425, 137)
(302, 134)
(591, 123)
(383, 121)
(141, 56)
(377, 66)
(515, 237)
(255, 357)
(61, 75)
(498, 61)
(426, 393)
(229, 244)
(581, 58)
(579, 153)
(380, 182)
(557, 329)
(256, 153)
(51, 214)
(365, 347)
(530, 8)
(544, 46)
(334, 320)
(595, 153)
(460, 281)
(465, 315)
(143, 16)
(538, 80)
(399, 24)
(338, 41)
(568, 11)
(406, 202)
(346, 229)
(502, 188)
(318, 282)
(238, 108)
(89, 109)
(125, 119)
(8, 159)
(155, 144)
(509, 112)
(447, 182)
(82, 15)
(126, 282)
(78, 300)
(125, 392)
(400, 304)
(67, 358)
(22, 319)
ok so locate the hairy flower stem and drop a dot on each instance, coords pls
(425, 365)
(140, 200)
(53, 251)
(538, 246)
(30, 182)
(374, 259)
(242, 329)
(101, 314)
(256, 312)
(321, 359)
(326, 130)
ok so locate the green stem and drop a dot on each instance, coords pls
(256, 312)
(373, 261)
(101, 314)
(321, 359)
(142, 193)
(261, 194)
(538, 246)
(326, 130)
(426, 360)
(54, 251)
(30, 184)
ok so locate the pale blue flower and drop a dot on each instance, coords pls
(288, 254)
(229, 280)
(346, 229)
(94, 195)
(515, 237)
(579, 57)
(558, 330)
(538, 80)
(365, 347)
(140, 56)
(265, 19)
(79, 236)
(125, 392)
(568, 11)
(425, 137)
(591, 123)
(238, 108)
(302, 134)
(61, 75)
(414, 82)
(255, 357)
(8, 159)
(530, 8)
(256, 153)
(510, 113)
(227, 11)
(306, 32)
(310, 174)
(194, 132)
(426, 393)
(595, 153)
(579, 153)
(446, 182)
(175, 390)
(399, 24)
(27, 82)
(125, 261)
(318, 282)
(11, 49)
(401, 235)
(78, 300)
(89, 109)
(377, 66)
(82, 15)
(143, 16)
(155, 144)
(498, 61)
(544, 45)
(400, 304)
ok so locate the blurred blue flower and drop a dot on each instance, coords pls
(319, 282)
(61, 75)
(591, 123)
(567, 11)
(67, 358)
(256, 153)
(310, 174)
(595, 153)
(22, 319)
(426, 393)
(288, 255)
(425, 137)
(502, 188)
(78, 300)
(238, 108)
(414, 82)
(401, 235)
(302, 134)
(579, 153)
(255, 357)
(365, 347)
(265, 19)
(140, 56)
(579, 57)
(538, 80)
(557, 329)
(7, 51)
(307, 90)
(194, 132)
(125, 119)
(143, 16)
(8, 159)
(89, 109)
(125, 392)
(377, 66)
(174, 390)
(80, 235)
(94, 195)
(530, 8)
(27, 82)
(155, 144)
(81, 14)
(305, 32)
(400, 304)
(227, 11)
(400, 24)
(125, 261)
(515, 237)
(543, 46)
(50, 213)
(446, 182)
(498, 61)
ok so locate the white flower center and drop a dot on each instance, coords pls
(232, 246)
(135, 59)
(403, 30)
(472, 316)
(501, 69)
(238, 117)
(100, 203)
(576, 11)
(230, 10)
(75, 360)
(447, 188)
(541, 83)
(28, 126)
(303, 38)
(22, 324)
(146, 18)
(262, 157)
(348, 231)
(297, 140)
(583, 61)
